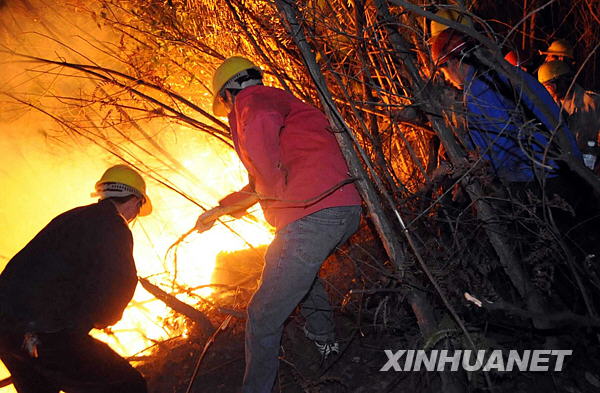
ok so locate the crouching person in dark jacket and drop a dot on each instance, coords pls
(76, 274)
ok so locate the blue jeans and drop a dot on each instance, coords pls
(289, 276)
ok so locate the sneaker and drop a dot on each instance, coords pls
(327, 349)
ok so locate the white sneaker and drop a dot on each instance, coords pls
(327, 349)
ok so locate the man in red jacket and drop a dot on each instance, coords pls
(76, 274)
(299, 176)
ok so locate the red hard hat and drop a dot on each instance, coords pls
(446, 43)
(513, 58)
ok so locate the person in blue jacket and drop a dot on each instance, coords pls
(503, 122)
(506, 128)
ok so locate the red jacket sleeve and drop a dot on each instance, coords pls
(238, 198)
(259, 130)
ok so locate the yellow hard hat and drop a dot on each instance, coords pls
(559, 48)
(229, 68)
(124, 181)
(552, 69)
(452, 15)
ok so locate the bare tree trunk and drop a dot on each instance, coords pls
(524, 30)
(532, 21)
(485, 211)
(383, 225)
(418, 301)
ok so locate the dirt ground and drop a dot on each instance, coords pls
(365, 327)
(355, 369)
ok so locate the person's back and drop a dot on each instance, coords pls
(76, 274)
(509, 127)
(583, 107)
(310, 163)
(52, 283)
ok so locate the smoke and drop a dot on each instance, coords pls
(46, 169)
(40, 173)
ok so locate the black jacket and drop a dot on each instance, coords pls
(76, 273)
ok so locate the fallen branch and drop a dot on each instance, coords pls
(555, 319)
(6, 382)
(232, 312)
(179, 306)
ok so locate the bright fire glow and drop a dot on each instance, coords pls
(42, 176)
(196, 255)
(41, 180)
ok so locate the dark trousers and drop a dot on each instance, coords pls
(72, 362)
(579, 226)
(577, 222)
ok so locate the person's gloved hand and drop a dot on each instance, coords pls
(207, 219)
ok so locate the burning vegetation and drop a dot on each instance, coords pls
(446, 257)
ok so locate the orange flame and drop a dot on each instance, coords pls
(142, 322)
(42, 181)
(42, 177)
